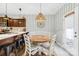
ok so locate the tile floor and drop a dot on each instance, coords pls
(60, 51)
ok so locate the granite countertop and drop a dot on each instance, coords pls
(7, 35)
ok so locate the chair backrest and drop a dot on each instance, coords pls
(53, 38)
(52, 42)
(28, 44)
(26, 38)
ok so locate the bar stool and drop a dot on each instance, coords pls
(12, 49)
(17, 46)
(22, 42)
(3, 51)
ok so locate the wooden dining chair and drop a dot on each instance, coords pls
(52, 45)
(48, 47)
(29, 49)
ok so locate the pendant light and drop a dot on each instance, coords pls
(6, 17)
(20, 9)
(40, 17)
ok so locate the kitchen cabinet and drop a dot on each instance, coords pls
(16, 23)
(10, 23)
(21, 23)
(3, 22)
(0, 19)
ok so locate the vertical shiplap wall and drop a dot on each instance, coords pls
(59, 18)
(32, 25)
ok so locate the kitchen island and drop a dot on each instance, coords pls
(11, 34)
(12, 44)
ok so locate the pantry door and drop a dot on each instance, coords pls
(71, 32)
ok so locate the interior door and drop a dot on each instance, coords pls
(71, 33)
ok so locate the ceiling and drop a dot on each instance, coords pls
(30, 8)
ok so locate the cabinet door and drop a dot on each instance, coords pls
(10, 23)
(15, 24)
(0, 19)
(21, 23)
(3, 22)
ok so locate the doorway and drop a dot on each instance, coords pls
(70, 37)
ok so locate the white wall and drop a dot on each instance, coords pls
(32, 25)
(59, 27)
(29, 8)
(59, 21)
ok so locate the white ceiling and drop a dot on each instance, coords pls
(30, 8)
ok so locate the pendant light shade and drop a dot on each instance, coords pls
(40, 17)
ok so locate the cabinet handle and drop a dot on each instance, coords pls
(75, 36)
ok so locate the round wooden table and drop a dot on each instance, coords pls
(39, 39)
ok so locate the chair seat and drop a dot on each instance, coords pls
(46, 45)
(46, 51)
(34, 48)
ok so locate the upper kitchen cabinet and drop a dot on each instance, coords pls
(16, 23)
(3, 22)
(21, 23)
(10, 23)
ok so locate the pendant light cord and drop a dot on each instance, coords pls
(20, 11)
(6, 9)
(40, 7)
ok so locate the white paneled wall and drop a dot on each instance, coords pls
(59, 18)
(32, 25)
